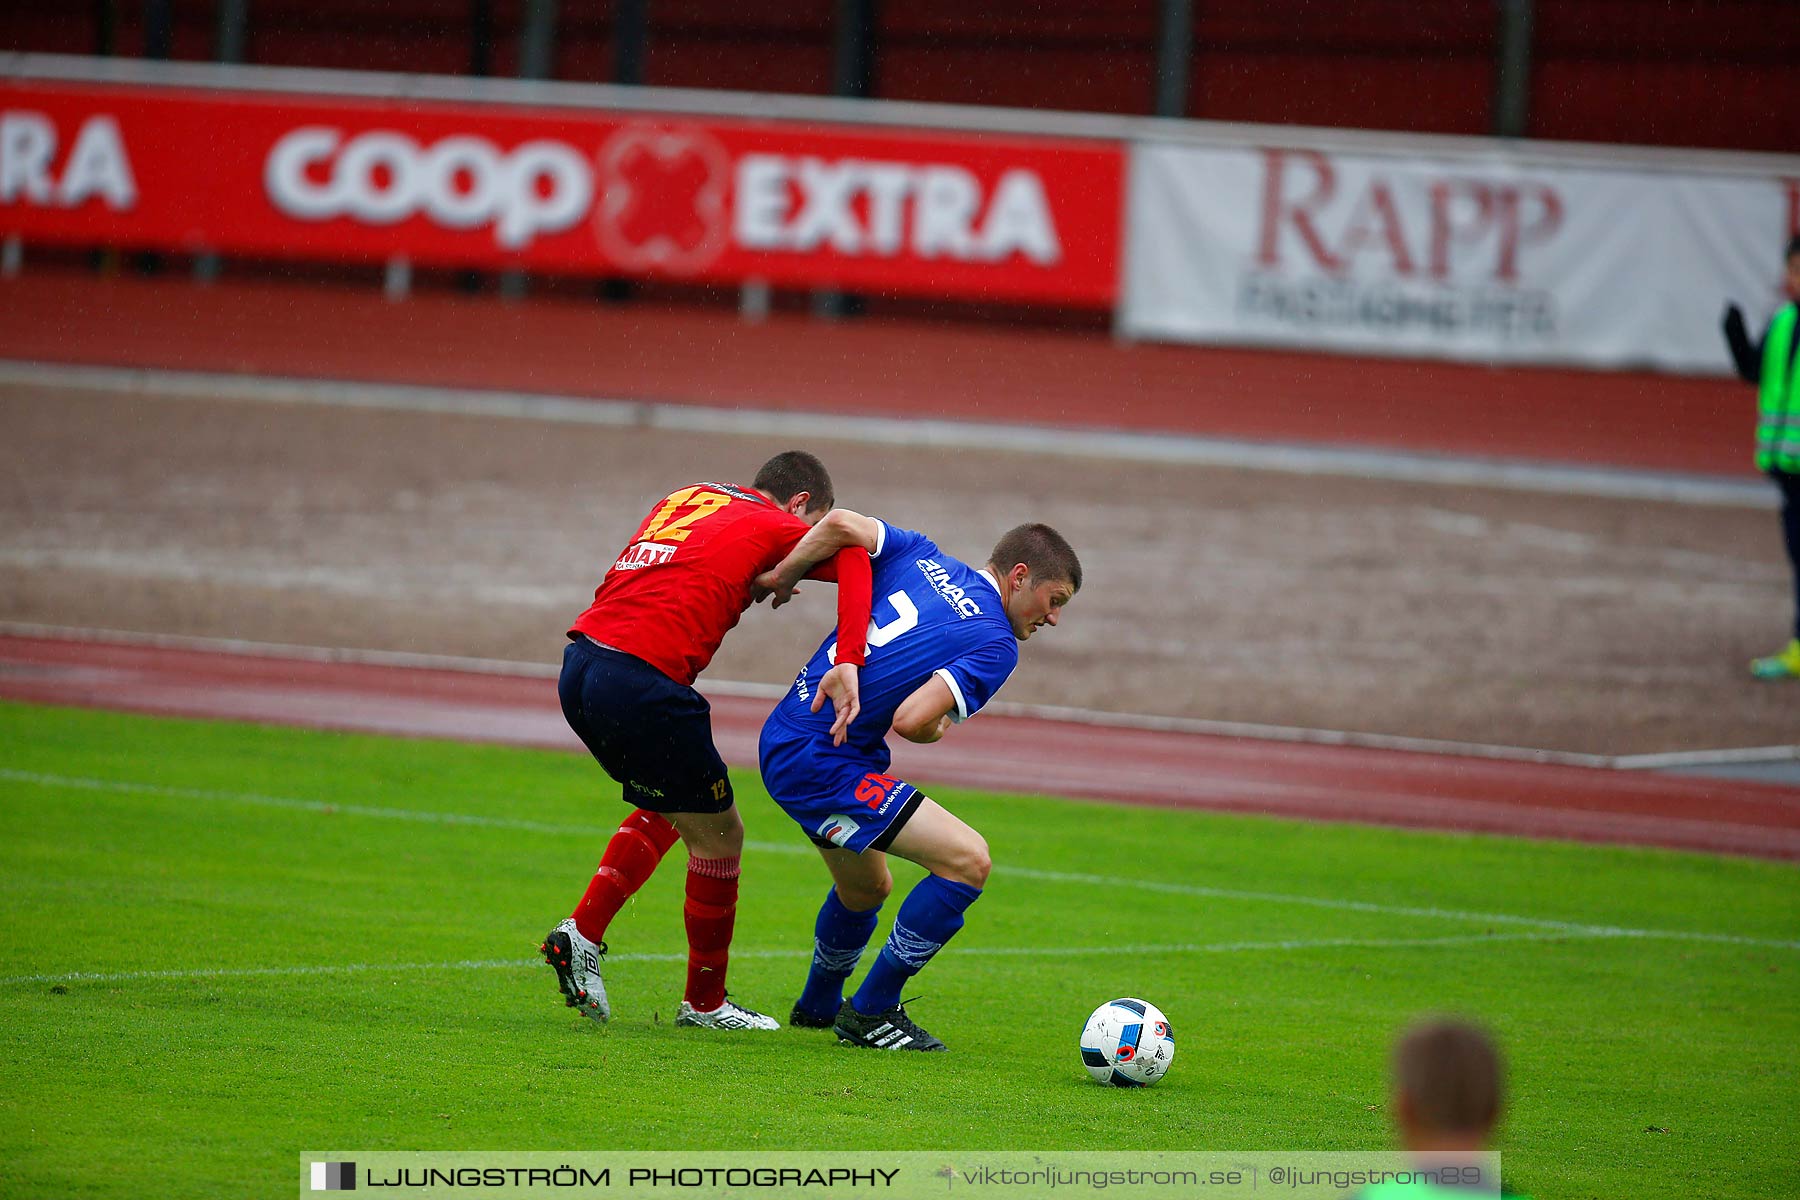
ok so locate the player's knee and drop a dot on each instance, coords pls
(713, 836)
(981, 864)
(972, 862)
(730, 840)
(866, 894)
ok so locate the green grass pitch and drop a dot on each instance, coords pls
(226, 944)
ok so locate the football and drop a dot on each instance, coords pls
(1127, 1043)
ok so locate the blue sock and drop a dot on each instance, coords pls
(839, 936)
(930, 916)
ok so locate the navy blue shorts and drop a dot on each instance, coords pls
(650, 733)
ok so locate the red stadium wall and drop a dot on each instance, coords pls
(1713, 73)
(1380, 64)
(1688, 73)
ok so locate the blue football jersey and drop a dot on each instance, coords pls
(932, 615)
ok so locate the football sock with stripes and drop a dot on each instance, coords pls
(631, 856)
(710, 911)
(839, 936)
(929, 916)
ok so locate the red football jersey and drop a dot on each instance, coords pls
(685, 579)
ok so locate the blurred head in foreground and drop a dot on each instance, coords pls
(1448, 1082)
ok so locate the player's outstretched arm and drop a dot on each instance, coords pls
(839, 529)
(924, 716)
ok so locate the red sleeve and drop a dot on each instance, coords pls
(854, 585)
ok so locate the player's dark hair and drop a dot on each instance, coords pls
(1450, 1072)
(1043, 550)
(792, 472)
(1793, 246)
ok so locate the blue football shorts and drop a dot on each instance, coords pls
(838, 799)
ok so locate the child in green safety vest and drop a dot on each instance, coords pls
(1770, 364)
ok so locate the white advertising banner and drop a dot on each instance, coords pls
(1474, 257)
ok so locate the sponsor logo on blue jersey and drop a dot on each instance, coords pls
(938, 576)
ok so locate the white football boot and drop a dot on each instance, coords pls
(577, 963)
(729, 1015)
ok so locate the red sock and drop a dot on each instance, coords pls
(711, 911)
(642, 840)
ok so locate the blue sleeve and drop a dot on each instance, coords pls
(977, 675)
(895, 543)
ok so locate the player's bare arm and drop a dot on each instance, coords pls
(924, 716)
(842, 686)
(837, 530)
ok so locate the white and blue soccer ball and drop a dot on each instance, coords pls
(1127, 1043)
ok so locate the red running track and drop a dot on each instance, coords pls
(885, 368)
(1014, 754)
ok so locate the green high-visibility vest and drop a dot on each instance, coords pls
(1426, 1191)
(1778, 425)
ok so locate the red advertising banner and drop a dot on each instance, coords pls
(561, 190)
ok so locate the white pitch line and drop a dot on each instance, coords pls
(507, 964)
(1167, 448)
(260, 972)
(1568, 928)
(322, 807)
